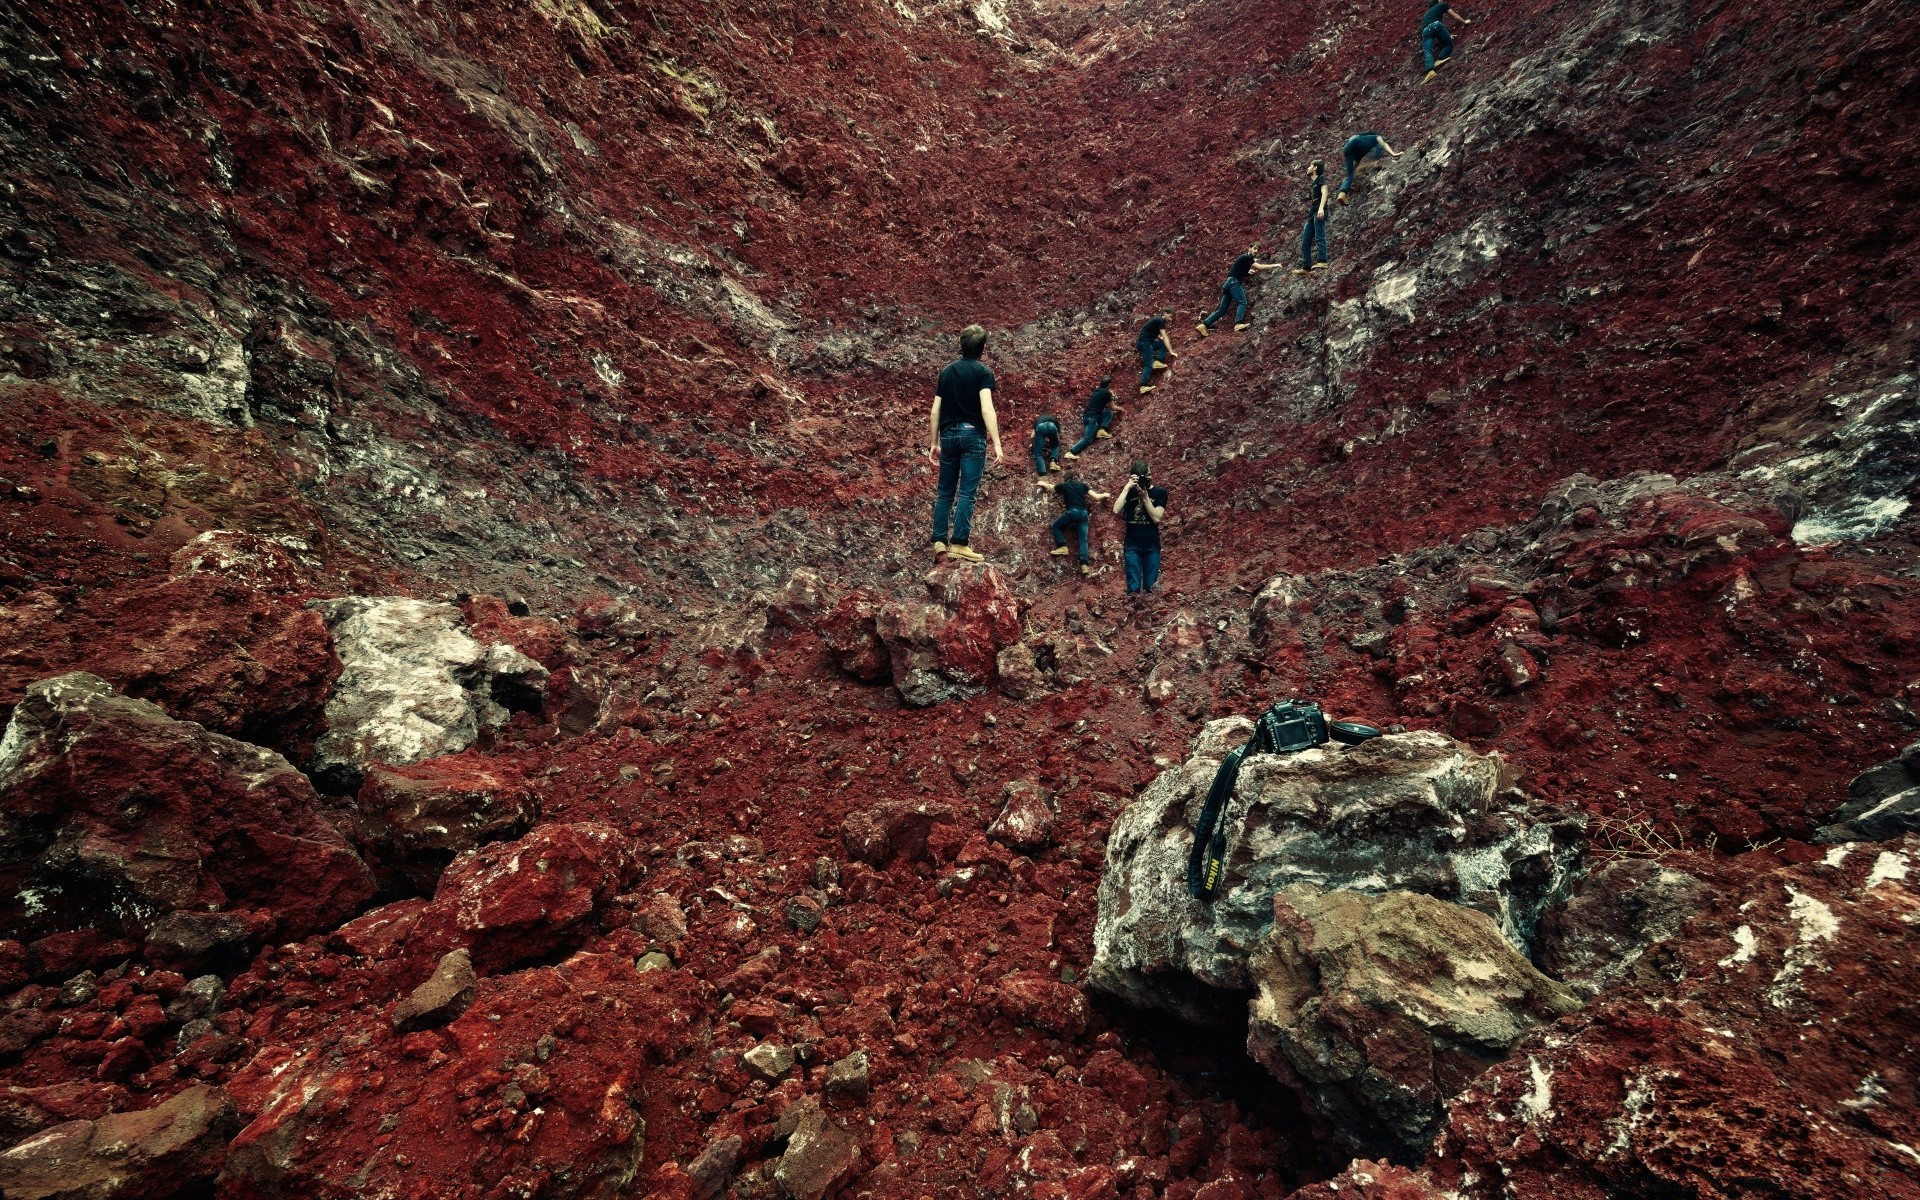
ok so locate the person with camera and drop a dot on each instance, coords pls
(1074, 495)
(1097, 418)
(1141, 504)
(959, 427)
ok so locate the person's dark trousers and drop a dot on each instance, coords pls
(1150, 353)
(1143, 567)
(963, 455)
(1231, 293)
(1066, 522)
(1313, 233)
(1354, 158)
(1095, 423)
(1437, 42)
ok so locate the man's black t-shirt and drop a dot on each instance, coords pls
(1241, 268)
(1150, 332)
(1142, 530)
(1314, 196)
(1073, 494)
(1435, 13)
(1098, 402)
(959, 391)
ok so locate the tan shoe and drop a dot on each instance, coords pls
(1428, 78)
(939, 548)
(1149, 387)
(1053, 466)
(1299, 270)
(1102, 434)
(965, 552)
(1070, 456)
(1062, 551)
(1203, 330)
(1242, 326)
(1340, 198)
(1161, 365)
(1320, 266)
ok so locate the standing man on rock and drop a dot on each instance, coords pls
(1234, 290)
(1436, 41)
(1361, 146)
(1141, 505)
(1315, 230)
(959, 427)
(1155, 348)
(1097, 417)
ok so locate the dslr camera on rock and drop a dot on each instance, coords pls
(1287, 728)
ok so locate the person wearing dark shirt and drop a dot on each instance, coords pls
(1074, 496)
(1314, 232)
(1046, 444)
(1234, 291)
(959, 427)
(1436, 41)
(1361, 146)
(1155, 349)
(1097, 418)
(1142, 505)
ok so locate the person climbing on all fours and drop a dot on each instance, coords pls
(1155, 347)
(1097, 418)
(1314, 233)
(960, 425)
(1361, 146)
(1074, 495)
(1141, 504)
(1233, 293)
(1436, 40)
(1046, 444)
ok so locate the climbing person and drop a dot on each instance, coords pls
(1155, 348)
(1314, 232)
(1361, 146)
(1074, 495)
(1046, 444)
(1233, 293)
(959, 427)
(1141, 504)
(1097, 419)
(1436, 40)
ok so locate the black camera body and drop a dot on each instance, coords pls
(1288, 727)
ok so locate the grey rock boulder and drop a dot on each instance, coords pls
(1882, 802)
(1615, 914)
(162, 1151)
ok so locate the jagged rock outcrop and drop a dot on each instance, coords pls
(949, 645)
(1882, 802)
(422, 816)
(413, 686)
(115, 816)
(153, 1154)
(1615, 913)
(1415, 812)
(1375, 1009)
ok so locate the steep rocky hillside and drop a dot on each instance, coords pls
(483, 719)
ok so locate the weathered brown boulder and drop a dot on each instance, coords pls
(1043, 1002)
(152, 1154)
(447, 993)
(1376, 1009)
(892, 827)
(119, 815)
(948, 646)
(850, 633)
(420, 817)
(1026, 817)
(819, 1160)
(1614, 915)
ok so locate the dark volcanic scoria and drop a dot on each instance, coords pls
(484, 718)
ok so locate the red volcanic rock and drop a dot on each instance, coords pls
(381, 933)
(534, 1090)
(153, 1154)
(150, 815)
(950, 647)
(421, 816)
(1035, 999)
(819, 1160)
(851, 632)
(249, 560)
(512, 901)
(251, 664)
(893, 827)
(1365, 1179)
(1026, 817)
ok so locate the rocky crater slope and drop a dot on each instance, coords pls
(481, 720)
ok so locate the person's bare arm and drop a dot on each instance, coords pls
(993, 423)
(933, 430)
(1260, 266)
(1322, 213)
(1048, 484)
(1098, 495)
(1458, 15)
(1153, 512)
(1388, 147)
(1120, 501)
(1167, 341)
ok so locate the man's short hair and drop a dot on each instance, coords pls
(1317, 167)
(1105, 380)
(973, 341)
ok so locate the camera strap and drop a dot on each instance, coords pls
(1207, 862)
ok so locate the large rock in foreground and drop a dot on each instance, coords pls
(1416, 812)
(116, 815)
(413, 686)
(949, 646)
(1377, 1009)
(153, 1154)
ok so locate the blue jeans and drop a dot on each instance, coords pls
(963, 455)
(1437, 42)
(1314, 231)
(1068, 520)
(1150, 353)
(1353, 155)
(1143, 567)
(1231, 292)
(1095, 423)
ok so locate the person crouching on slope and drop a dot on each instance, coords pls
(1141, 505)
(1361, 146)
(1155, 348)
(1234, 290)
(1436, 41)
(1074, 496)
(1097, 417)
(959, 427)
(1315, 230)
(1046, 444)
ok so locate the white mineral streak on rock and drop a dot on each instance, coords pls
(1817, 924)
(1744, 945)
